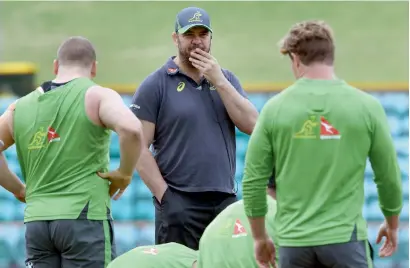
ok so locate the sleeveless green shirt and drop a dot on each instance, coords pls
(60, 151)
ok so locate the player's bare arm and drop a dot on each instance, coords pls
(263, 244)
(240, 110)
(115, 115)
(8, 179)
(106, 108)
(147, 166)
(6, 127)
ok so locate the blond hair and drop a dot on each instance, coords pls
(312, 41)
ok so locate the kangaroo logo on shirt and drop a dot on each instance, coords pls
(239, 230)
(308, 129)
(38, 140)
(311, 130)
(42, 137)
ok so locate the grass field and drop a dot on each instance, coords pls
(134, 38)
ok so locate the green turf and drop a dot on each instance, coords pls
(134, 38)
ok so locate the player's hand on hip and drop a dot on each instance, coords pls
(207, 65)
(118, 182)
(265, 253)
(390, 243)
(21, 196)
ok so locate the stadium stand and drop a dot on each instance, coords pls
(134, 212)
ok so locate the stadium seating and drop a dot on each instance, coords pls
(134, 212)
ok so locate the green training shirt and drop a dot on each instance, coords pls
(227, 242)
(170, 255)
(60, 151)
(317, 134)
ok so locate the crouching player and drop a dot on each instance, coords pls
(227, 241)
(169, 255)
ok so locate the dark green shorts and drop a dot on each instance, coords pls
(354, 254)
(69, 244)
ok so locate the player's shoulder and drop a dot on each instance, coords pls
(99, 92)
(167, 248)
(173, 246)
(35, 93)
(229, 75)
(27, 99)
(275, 102)
(163, 71)
(156, 77)
(355, 91)
(227, 72)
(367, 99)
(153, 81)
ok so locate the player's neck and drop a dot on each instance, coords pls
(319, 72)
(67, 74)
(187, 69)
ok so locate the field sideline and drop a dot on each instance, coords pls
(133, 38)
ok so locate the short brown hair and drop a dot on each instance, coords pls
(312, 41)
(76, 51)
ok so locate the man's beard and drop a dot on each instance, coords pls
(185, 54)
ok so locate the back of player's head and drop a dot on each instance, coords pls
(312, 41)
(76, 51)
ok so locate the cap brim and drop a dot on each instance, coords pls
(190, 26)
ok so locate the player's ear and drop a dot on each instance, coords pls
(175, 38)
(296, 59)
(94, 69)
(55, 67)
